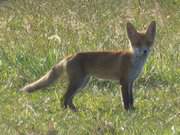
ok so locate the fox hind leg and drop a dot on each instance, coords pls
(74, 85)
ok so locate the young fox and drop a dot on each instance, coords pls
(123, 66)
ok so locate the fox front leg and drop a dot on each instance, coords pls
(127, 95)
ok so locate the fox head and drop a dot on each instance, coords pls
(141, 43)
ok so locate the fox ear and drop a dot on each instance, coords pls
(151, 31)
(132, 33)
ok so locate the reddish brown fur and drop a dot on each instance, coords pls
(99, 63)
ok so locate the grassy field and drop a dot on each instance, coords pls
(36, 34)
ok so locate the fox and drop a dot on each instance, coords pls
(123, 66)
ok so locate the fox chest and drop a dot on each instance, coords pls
(136, 68)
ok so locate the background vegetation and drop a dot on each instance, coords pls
(36, 34)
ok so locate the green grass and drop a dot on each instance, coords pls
(36, 34)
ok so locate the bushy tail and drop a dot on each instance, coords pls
(47, 79)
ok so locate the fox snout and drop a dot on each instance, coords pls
(145, 51)
(141, 51)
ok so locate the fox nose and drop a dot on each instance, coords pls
(145, 51)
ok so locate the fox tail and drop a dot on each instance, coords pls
(47, 79)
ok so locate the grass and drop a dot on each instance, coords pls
(34, 35)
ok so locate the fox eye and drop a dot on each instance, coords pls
(149, 43)
(138, 43)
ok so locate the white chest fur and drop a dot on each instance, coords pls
(137, 66)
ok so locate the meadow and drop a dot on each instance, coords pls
(36, 34)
